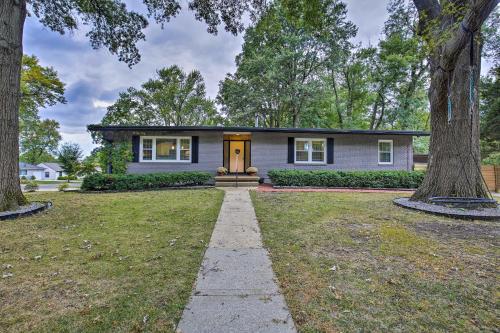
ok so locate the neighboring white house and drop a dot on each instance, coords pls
(51, 171)
(29, 171)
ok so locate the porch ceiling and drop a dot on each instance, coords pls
(237, 136)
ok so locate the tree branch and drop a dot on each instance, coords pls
(472, 21)
(430, 8)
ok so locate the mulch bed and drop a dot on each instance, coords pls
(490, 214)
(271, 188)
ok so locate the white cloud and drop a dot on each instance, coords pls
(100, 104)
(83, 139)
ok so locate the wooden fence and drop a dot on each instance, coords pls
(491, 174)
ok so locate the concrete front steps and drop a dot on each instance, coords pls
(243, 181)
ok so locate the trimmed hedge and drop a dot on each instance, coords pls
(115, 182)
(330, 178)
(67, 178)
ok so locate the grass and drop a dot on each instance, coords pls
(354, 262)
(118, 262)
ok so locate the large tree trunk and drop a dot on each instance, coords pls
(454, 159)
(12, 16)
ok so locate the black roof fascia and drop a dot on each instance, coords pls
(102, 128)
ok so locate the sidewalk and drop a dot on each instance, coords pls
(236, 290)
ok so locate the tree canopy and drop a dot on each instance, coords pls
(294, 72)
(490, 116)
(112, 25)
(279, 69)
(39, 141)
(40, 88)
(70, 155)
(172, 98)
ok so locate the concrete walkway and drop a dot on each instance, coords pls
(236, 290)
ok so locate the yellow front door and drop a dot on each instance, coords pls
(236, 161)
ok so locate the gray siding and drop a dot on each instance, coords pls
(269, 151)
(351, 152)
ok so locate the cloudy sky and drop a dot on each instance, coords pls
(94, 78)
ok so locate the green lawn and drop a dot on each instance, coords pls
(354, 262)
(104, 262)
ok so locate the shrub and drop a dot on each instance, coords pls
(32, 178)
(330, 178)
(116, 154)
(113, 182)
(62, 187)
(67, 178)
(492, 159)
(31, 186)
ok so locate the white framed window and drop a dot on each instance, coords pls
(310, 151)
(385, 152)
(165, 149)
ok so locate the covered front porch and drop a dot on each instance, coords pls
(237, 152)
(237, 158)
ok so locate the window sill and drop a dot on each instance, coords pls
(185, 162)
(310, 163)
(379, 163)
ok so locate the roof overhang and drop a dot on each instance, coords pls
(234, 130)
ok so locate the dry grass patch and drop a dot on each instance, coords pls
(104, 262)
(350, 262)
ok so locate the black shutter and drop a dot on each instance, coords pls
(195, 148)
(291, 148)
(329, 150)
(248, 154)
(225, 154)
(136, 139)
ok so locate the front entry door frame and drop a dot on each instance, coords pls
(247, 144)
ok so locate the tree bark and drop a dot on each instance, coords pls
(12, 16)
(454, 159)
(454, 168)
(382, 111)
(374, 113)
(337, 100)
